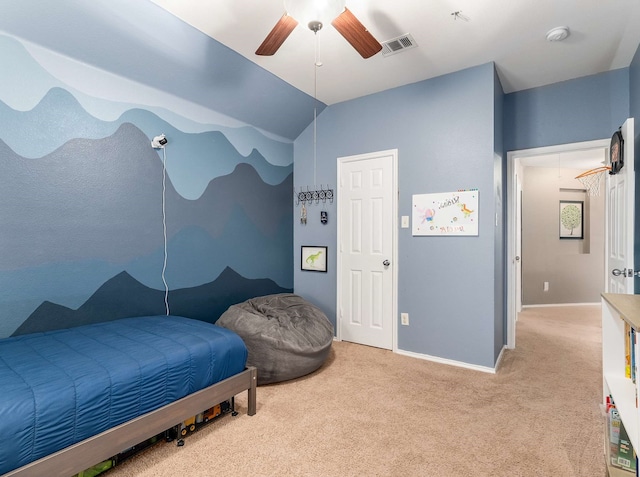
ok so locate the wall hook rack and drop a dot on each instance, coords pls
(307, 196)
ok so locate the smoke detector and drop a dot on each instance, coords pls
(558, 33)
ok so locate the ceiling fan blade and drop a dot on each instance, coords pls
(355, 33)
(277, 36)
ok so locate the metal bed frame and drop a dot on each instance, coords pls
(91, 451)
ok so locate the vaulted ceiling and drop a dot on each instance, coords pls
(204, 50)
(604, 35)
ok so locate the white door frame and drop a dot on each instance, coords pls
(394, 247)
(512, 157)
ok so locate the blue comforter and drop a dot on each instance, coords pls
(60, 387)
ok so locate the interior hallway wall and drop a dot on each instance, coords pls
(573, 268)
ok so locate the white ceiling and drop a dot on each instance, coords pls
(604, 36)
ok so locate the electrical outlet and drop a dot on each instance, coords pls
(545, 286)
(404, 319)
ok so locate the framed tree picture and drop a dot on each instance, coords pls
(571, 219)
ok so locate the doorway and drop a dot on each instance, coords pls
(367, 249)
(573, 156)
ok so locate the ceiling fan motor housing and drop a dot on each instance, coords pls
(315, 26)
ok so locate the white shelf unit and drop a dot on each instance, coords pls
(616, 310)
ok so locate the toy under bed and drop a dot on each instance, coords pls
(71, 398)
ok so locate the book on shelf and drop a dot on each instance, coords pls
(633, 346)
(626, 455)
(621, 452)
(627, 350)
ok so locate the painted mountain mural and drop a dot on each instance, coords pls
(26, 86)
(193, 158)
(88, 209)
(123, 296)
(101, 199)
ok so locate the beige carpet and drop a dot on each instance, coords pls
(369, 412)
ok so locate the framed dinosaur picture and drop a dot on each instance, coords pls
(313, 259)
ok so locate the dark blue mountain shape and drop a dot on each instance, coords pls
(194, 258)
(66, 283)
(265, 205)
(101, 200)
(89, 199)
(122, 296)
(195, 158)
(205, 155)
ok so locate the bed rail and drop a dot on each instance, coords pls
(91, 451)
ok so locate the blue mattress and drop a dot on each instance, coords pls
(61, 387)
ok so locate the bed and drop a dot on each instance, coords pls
(75, 397)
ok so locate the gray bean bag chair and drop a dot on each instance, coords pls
(286, 336)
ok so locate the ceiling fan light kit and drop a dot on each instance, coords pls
(307, 11)
(315, 14)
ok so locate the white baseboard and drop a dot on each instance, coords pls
(561, 304)
(451, 362)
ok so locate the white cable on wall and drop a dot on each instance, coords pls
(164, 228)
(159, 142)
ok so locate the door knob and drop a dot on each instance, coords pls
(386, 263)
(627, 272)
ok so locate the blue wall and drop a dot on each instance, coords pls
(500, 240)
(584, 109)
(578, 110)
(82, 196)
(443, 129)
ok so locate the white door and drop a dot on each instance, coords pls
(366, 244)
(620, 212)
(518, 257)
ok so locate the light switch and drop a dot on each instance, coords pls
(405, 221)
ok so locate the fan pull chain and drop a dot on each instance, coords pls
(317, 63)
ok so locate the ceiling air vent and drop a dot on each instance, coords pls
(397, 45)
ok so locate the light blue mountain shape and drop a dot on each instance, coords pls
(55, 120)
(194, 257)
(193, 160)
(23, 95)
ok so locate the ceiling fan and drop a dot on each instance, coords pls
(315, 13)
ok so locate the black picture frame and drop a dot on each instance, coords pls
(571, 219)
(616, 152)
(313, 258)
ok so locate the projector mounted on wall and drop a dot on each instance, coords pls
(158, 142)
